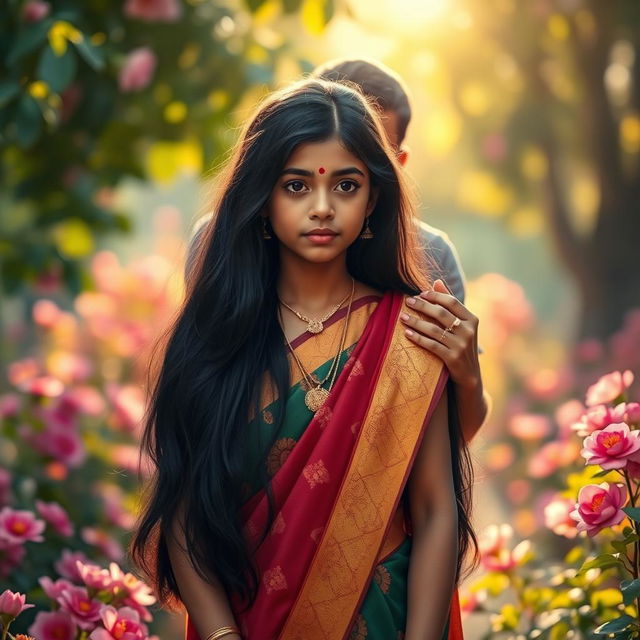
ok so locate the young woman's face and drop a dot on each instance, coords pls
(324, 188)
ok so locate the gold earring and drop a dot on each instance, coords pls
(367, 234)
(265, 231)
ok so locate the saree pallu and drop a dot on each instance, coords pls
(334, 563)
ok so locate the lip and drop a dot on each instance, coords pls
(320, 232)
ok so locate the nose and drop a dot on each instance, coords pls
(321, 208)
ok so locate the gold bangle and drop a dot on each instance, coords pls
(222, 631)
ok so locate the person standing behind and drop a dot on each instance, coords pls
(458, 349)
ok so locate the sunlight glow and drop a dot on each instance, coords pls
(401, 15)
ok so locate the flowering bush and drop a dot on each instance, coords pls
(69, 457)
(595, 590)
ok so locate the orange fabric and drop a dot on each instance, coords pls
(368, 498)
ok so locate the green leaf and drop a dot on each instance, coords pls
(633, 513)
(614, 626)
(601, 473)
(630, 590)
(28, 121)
(57, 71)
(29, 40)
(8, 91)
(329, 10)
(291, 6)
(627, 530)
(604, 561)
(91, 54)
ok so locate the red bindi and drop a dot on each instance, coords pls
(321, 170)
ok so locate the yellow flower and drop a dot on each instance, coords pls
(61, 32)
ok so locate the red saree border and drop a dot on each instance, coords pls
(329, 599)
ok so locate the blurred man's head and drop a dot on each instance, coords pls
(383, 85)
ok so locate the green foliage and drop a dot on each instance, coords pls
(69, 131)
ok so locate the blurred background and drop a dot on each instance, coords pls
(114, 117)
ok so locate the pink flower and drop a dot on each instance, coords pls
(18, 527)
(567, 414)
(64, 445)
(120, 624)
(10, 558)
(494, 553)
(599, 506)
(138, 70)
(628, 412)
(594, 418)
(56, 516)
(56, 625)
(128, 404)
(12, 604)
(557, 517)
(95, 577)
(22, 370)
(139, 594)
(107, 545)
(53, 589)
(552, 456)
(153, 10)
(9, 405)
(608, 387)
(66, 565)
(612, 446)
(530, 426)
(46, 386)
(35, 10)
(45, 313)
(83, 609)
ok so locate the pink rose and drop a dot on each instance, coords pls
(120, 624)
(609, 387)
(56, 516)
(153, 10)
(12, 604)
(56, 625)
(138, 70)
(66, 565)
(18, 527)
(599, 506)
(557, 517)
(612, 446)
(83, 609)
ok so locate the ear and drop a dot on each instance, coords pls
(373, 199)
(403, 155)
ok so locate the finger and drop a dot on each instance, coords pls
(435, 311)
(448, 301)
(427, 343)
(431, 330)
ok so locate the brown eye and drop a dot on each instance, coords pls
(295, 186)
(348, 186)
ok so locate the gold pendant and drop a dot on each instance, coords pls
(315, 326)
(315, 398)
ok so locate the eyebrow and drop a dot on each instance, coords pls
(304, 172)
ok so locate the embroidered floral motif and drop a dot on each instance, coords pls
(323, 416)
(278, 525)
(316, 473)
(274, 579)
(267, 417)
(382, 578)
(356, 370)
(279, 453)
(359, 630)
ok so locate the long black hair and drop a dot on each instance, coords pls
(226, 339)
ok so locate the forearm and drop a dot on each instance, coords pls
(432, 572)
(474, 404)
(206, 602)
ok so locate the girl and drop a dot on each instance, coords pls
(310, 478)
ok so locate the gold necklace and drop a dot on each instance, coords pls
(317, 395)
(313, 325)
